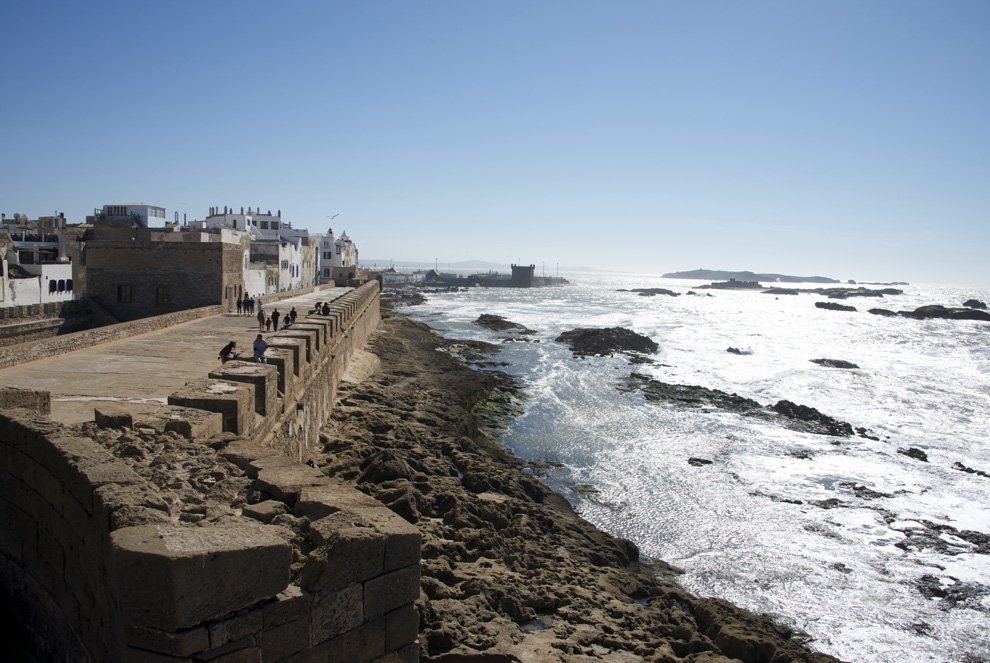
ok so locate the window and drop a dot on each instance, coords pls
(61, 285)
(264, 225)
(124, 294)
(68, 285)
(327, 255)
(161, 294)
(51, 286)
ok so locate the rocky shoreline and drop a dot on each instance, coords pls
(509, 571)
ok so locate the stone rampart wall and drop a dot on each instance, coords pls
(49, 347)
(96, 564)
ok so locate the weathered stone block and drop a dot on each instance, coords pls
(346, 553)
(335, 613)
(291, 604)
(264, 511)
(322, 501)
(281, 641)
(183, 642)
(389, 591)
(321, 327)
(297, 347)
(408, 654)
(34, 400)
(113, 416)
(236, 628)
(264, 378)
(234, 401)
(402, 540)
(135, 655)
(243, 453)
(364, 643)
(308, 336)
(190, 423)
(284, 483)
(401, 627)
(283, 361)
(171, 577)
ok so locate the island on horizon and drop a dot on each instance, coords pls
(716, 274)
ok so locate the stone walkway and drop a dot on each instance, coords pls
(140, 372)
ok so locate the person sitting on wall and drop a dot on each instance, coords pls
(326, 308)
(260, 347)
(229, 352)
(316, 309)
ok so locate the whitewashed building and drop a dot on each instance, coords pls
(338, 258)
(281, 257)
(143, 214)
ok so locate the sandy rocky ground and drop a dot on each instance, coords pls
(510, 572)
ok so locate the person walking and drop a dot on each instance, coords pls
(275, 316)
(261, 319)
(240, 304)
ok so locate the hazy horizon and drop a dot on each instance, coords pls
(841, 139)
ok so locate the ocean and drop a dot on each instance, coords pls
(875, 554)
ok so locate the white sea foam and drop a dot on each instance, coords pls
(746, 527)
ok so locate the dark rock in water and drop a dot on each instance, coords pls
(975, 303)
(863, 492)
(866, 433)
(882, 311)
(781, 291)
(737, 351)
(845, 293)
(663, 392)
(796, 417)
(733, 284)
(832, 306)
(830, 503)
(586, 342)
(811, 420)
(944, 313)
(915, 453)
(933, 537)
(699, 462)
(969, 470)
(834, 363)
(651, 292)
(395, 298)
(499, 323)
(954, 593)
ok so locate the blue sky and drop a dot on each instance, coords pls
(848, 139)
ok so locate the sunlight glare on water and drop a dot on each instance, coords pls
(751, 526)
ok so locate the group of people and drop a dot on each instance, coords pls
(229, 352)
(266, 322)
(321, 308)
(270, 322)
(245, 306)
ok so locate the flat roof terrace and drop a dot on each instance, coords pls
(139, 373)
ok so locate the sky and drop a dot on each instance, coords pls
(848, 139)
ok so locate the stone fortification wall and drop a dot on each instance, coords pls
(162, 538)
(24, 352)
(19, 324)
